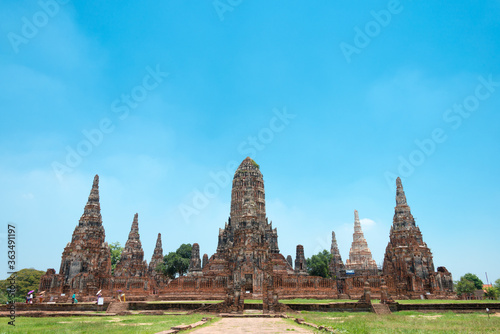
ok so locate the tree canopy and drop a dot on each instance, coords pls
(491, 293)
(176, 263)
(25, 281)
(474, 279)
(116, 252)
(317, 265)
(496, 285)
(464, 287)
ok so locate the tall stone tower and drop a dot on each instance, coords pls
(157, 257)
(247, 244)
(360, 256)
(406, 252)
(132, 262)
(87, 256)
(336, 265)
(248, 208)
(248, 196)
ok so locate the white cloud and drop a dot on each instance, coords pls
(28, 196)
(367, 223)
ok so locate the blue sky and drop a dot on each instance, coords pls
(333, 100)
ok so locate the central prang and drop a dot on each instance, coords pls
(248, 244)
(248, 209)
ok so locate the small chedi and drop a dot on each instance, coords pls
(336, 266)
(132, 262)
(247, 262)
(360, 257)
(157, 258)
(194, 268)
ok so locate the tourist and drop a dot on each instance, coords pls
(73, 299)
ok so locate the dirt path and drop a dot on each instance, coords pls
(252, 325)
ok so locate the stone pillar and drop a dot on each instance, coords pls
(195, 263)
(366, 298)
(205, 261)
(385, 298)
(300, 261)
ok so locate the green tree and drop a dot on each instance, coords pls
(317, 265)
(176, 263)
(491, 293)
(496, 285)
(116, 252)
(474, 279)
(184, 251)
(464, 287)
(25, 281)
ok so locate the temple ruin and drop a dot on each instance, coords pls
(132, 263)
(336, 266)
(247, 262)
(157, 258)
(360, 256)
(86, 260)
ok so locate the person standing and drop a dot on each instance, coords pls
(73, 298)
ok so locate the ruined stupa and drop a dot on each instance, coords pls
(360, 256)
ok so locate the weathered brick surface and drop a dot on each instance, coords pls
(132, 262)
(157, 257)
(87, 258)
(360, 256)
(408, 261)
(336, 265)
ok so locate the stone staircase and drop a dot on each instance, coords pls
(381, 309)
(118, 308)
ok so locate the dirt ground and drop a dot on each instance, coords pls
(252, 325)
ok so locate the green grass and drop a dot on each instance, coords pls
(315, 301)
(253, 301)
(326, 301)
(302, 301)
(375, 301)
(184, 301)
(404, 322)
(442, 301)
(112, 324)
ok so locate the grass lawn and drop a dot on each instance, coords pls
(111, 324)
(315, 301)
(441, 301)
(375, 301)
(303, 301)
(404, 322)
(184, 301)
